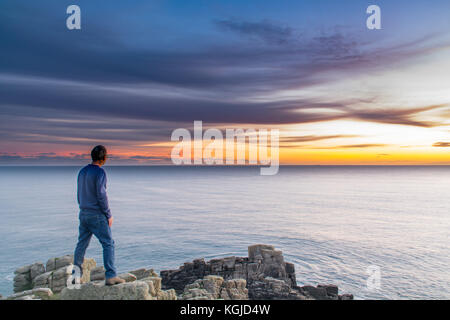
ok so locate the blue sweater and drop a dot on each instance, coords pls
(92, 190)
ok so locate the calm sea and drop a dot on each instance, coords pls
(333, 223)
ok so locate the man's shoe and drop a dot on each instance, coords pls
(113, 281)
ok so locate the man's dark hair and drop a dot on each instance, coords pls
(98, 153)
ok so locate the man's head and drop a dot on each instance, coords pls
(99, 155)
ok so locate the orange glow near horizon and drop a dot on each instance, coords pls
(332, 143)
(292, 156)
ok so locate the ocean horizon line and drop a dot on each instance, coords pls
(230, 166)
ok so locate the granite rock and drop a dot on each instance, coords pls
(97, 290)
(58, 262)
(55, 277)
(263, 261)
(34, 294)
(215, 287)
(128, 277)
(23, 270)
(331, 289)
(136, 290)
(36, 270)
(22, 282)
(262, 275)
(97, 273)
(321, 292)
(43, 280)
(143, 273)
(274, 289)
(266, 273)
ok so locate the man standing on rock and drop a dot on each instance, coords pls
(95, 215)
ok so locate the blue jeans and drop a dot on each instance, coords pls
(96, 224)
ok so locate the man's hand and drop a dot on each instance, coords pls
(110, 221)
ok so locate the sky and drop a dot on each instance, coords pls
(339, 93)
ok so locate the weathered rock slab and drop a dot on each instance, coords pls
(34, 294)
(331, 289)
(128, 277)
(58, 262)
(263, 261)
(136, 290)
(143, 273)
(22, 282)
(54, 277)
(97, 290)
(97, 274)
(36, 270)
(273, 289)
(215, 287)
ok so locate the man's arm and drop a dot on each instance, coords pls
(78, 188)
(102, 198)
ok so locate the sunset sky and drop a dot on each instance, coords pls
(137, 70)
